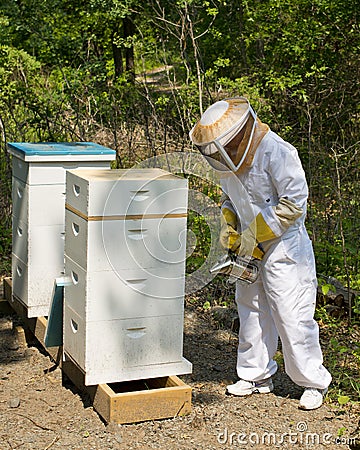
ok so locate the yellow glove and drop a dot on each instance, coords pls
(229, 237)
(248, 244)
(259, 231)
(231, 240)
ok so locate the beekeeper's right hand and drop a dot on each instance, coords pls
(229, 237)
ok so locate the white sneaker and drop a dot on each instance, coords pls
(243, 387)
(312, 398)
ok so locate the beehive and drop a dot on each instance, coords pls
(38, 198)
(125, 253)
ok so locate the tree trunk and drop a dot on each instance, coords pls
(129, 31)
(117, 55)
(243, 51)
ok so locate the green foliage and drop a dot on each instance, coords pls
(202, 241)
(343, 399)
(325, 288)
(341, 357)
(5, 248)
(296, 61)
(342, 430)
(206, 305)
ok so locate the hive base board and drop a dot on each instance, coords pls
(135, 401)
(126, 402)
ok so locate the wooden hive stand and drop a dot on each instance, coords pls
(125, 402)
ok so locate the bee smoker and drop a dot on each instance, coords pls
(243, 269)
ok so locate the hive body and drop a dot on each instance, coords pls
(38, 199)
(125, 254)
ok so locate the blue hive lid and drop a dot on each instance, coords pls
(34, 151)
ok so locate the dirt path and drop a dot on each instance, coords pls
(40, 411)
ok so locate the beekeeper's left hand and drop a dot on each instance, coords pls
(247, 244)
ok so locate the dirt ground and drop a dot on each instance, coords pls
(40, 409)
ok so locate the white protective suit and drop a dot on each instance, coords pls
(282, 301)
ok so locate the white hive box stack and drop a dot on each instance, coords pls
(125, 253)
(38, 198)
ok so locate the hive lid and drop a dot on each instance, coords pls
(60, 151)
(134, 174)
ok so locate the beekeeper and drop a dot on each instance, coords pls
(263, 214)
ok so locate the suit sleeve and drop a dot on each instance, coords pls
(289, 179)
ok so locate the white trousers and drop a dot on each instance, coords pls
(281, 303)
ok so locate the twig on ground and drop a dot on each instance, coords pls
(36, 424)
(52, 442)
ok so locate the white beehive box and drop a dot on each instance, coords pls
(38, 204)
(120, 193)
(157, 242)
(125, 254)
(27, 241)
(126, 294)
(129, 349)
(38, 197)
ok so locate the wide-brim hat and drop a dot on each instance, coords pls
(219, 120)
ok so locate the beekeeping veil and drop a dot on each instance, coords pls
(217, 134)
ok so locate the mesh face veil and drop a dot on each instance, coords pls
(215, 133)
